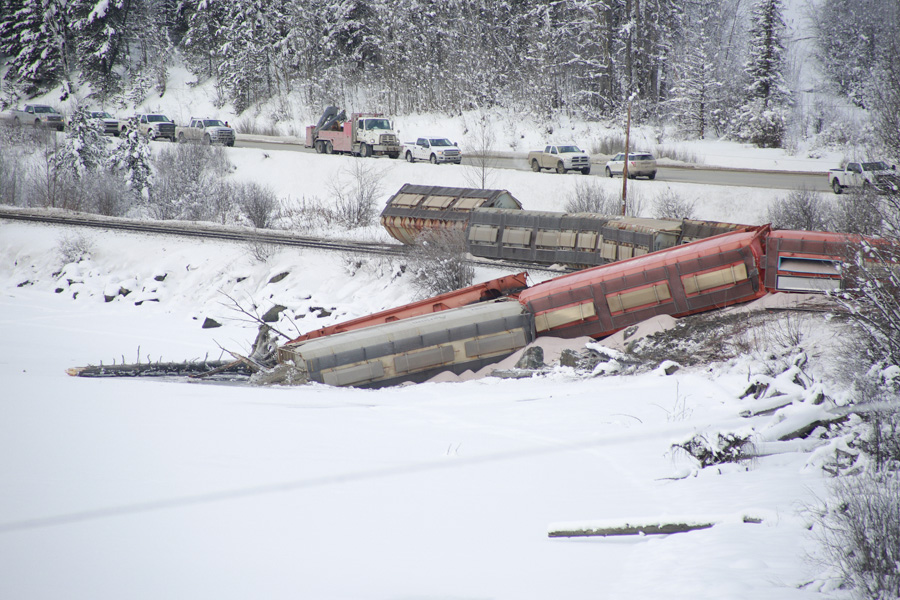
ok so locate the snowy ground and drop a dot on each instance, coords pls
(441, 491)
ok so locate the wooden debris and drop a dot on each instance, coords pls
(158, 369)
(640, 529)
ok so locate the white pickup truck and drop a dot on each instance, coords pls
(38, 115)
(153, 125)
(877, 175)
(434, 149)
(562, 157)
(206, 131)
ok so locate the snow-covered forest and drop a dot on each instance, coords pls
(714, 67)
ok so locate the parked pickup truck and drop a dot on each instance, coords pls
(109, 123)
(563, 158)
(434, 149)
(877, 175)
(207, 131)
(154, 126)
(38, 115)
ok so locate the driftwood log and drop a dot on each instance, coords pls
(161, 369)
(638, 529)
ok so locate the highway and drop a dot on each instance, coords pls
(782, 180)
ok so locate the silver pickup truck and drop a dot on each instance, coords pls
(38, 115)
(206, 131)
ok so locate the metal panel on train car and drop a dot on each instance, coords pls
(417, 348)
(805, 261)
(677, 281)
(416, 208)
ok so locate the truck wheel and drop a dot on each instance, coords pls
(433, 159)
(394, 155)
(180, 137)
(37, 123)
(608, 173)
(329, 148)
(652, 175)
(836, 186)
(535, 166)
(561, 168)
(206, 140)
(16, 122)
(365, 151)
(586, 171)
(409, 157)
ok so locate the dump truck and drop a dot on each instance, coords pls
(363, 134)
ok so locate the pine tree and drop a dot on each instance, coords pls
(35, 35)
(85, 149)
(763, 116)
(102, 27)
(133, 159)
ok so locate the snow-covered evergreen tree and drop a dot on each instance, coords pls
(762, 119)
(102, 26)
(133, 159)
(35, 36)
(85, 149)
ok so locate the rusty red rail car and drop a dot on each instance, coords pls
(489, 290)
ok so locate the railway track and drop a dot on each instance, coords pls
(195, 230)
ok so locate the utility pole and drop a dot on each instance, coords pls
(625, 166)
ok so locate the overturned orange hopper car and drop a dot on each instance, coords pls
(692, 278)
(489, 290)
(417, 208)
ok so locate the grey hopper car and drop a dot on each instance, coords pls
(418, 208)
(578, 239)
(574, 239)
(414, 349)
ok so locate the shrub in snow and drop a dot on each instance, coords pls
(188, 182)
(669, 205)
(860, 534)
(257, 203)
(802, 209)
(593, 198)
(355, 192)
(438, 262)
(73, 247)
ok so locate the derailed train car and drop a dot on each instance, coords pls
(679, 281)
(496, 227)
(805, 261)
(711, 273)
(418, 208)
(578, 239)
(414, 349)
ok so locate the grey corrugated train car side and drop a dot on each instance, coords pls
(418, 208)
(414, 349)
(578, 239)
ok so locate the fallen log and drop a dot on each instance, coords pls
(649, 528)
(158, 369)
